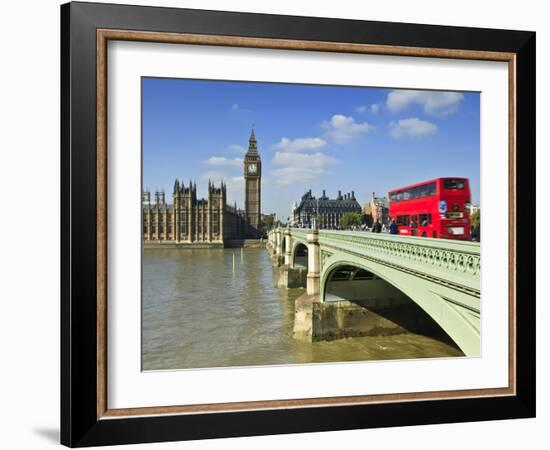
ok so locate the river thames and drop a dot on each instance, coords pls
(198, 312)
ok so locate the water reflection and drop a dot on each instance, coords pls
(198, 312)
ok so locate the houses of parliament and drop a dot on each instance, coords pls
(209, 221)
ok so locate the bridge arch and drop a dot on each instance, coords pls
(461, 332)
(283, 244)
(357, 284)
(299, 253)
(360, 265)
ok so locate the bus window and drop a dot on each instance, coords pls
(428, 189)
(424, 190)
(451, 183)
(425, 219)
(403, 221)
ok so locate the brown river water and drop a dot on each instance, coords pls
(198, 312)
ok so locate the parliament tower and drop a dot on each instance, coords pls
(252, 184)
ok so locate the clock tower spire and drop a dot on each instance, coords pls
(252, 143)
(252, 184)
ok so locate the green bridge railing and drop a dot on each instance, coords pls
(453, 263)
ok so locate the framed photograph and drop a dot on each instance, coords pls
(277, 224)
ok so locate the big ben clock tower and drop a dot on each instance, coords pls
(252, 183)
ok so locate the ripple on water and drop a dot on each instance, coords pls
(197, 312)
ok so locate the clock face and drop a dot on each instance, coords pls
(252, 168)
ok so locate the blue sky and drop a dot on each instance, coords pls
(309, 137)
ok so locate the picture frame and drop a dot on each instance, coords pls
(86, 418)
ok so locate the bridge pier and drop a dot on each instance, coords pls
(274, 247)
(271, 243)
(278, 257)
(313, 263)
(289, 275)
(292, 277)
(288, 248)
(324, 321)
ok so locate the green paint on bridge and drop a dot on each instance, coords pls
(442, 276)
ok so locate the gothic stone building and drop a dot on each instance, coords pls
(205, 221)
(327, 211)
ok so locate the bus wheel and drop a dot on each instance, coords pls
(424, 234)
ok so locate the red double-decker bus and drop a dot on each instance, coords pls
(437, 208)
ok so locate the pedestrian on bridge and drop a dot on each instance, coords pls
(393, 227)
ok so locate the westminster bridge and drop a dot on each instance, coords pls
(341, 269)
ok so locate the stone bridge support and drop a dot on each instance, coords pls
(288, 248)
(289, 275)
(314, 264)
(272, 242)
(279, 255)
(275, 247)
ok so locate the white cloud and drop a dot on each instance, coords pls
(289, 175)
(304, 159)
(298, 144)
(341, 129)
(434, 103)
(236, 149)
(373, 108)
(223, 161)
(301, 166)
(412, 127)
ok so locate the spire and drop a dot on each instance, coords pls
(252, 143)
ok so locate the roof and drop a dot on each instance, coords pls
(324, 203)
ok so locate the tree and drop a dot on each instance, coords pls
(476, 219)
(350, 219)
(476, 231)
(267, 222)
